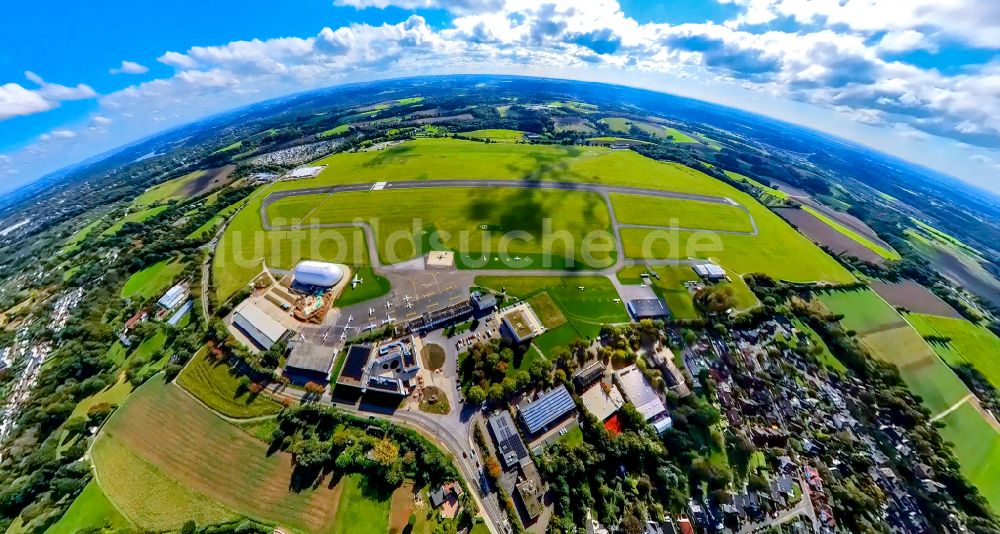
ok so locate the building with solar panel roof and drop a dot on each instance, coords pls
(552, 407)
(510, 448)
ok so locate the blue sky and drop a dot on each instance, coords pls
(919, 79)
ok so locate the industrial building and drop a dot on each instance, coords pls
(710, 272)
(648, 309)
(588, 375)
(510, 448)
(260, 327)
(521, 323)
(173, 297)
(389, 368)
(317, 274)
(641, 394)
(551, 407)
(309, 362)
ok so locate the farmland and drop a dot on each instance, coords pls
(977, 446)
(969, 343)
(483, 215)
(913, 297)
(146, 450)
(863, 310)
(190, 185)
(91, 510)
(883, 252)
(677, 213)
(152, 280)
(507, 136)
(824, 233)
(214, 383)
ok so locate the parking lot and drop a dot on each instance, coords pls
(415, 293)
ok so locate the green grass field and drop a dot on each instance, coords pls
(113, 395)
(617, 124)
(977, 446)
(134, 216)
(585, 310)
(361, 510)
(372, 286)
(886, 253)
(218, 387)
(507, 136)
(166, 190)
(781, 195)
(678, 213)
(612, 139)
(969, 343)
(336, 130)
(91, 511)
(213, 223)
(151, 281)
(481, 217)
(163, 459)
(229, 148)
(678, 136)
(73, 243)
(779, 250)
(863, 310)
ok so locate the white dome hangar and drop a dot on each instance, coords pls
(318, 273)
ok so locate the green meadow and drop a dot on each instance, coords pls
(678, 213)
(153, 280)
(968, 343)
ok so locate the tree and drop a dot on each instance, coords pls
(475, 394)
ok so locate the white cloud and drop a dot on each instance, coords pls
(906, 40)
(16, 100)
(129, 67)
(176, 59)
(101, 120)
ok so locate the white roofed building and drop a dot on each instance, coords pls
(256, 324)
(318, 273)
(641, 394)
(173, 297)
(710, 271)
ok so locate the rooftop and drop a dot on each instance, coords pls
(510, 448)
(173, 296)
(248, 313)
(637, 390)
(709, 270)
(311, 357)
(648, 308)
(601, 404)
(548, 408)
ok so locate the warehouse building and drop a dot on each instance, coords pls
(641, 309)
(173, 297)
(710, 272)
(262, 329)
(309, 362)
(551, 407)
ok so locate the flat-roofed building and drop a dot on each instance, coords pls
(547, 409)
(510, 448)
(521, 323)
(648, 309)
(602, 400)
(639, 392)
(588, 375)
(710, 272)
(173, 297)
(262, 329)
(309, 362)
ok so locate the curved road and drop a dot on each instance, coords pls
(603, 190)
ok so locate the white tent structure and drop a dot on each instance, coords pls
(318, 273)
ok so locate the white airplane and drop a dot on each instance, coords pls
(357, 281)
(371, 311)
(350, 318)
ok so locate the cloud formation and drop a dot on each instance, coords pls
(129, 67)
(837, 55)
(16, 100)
